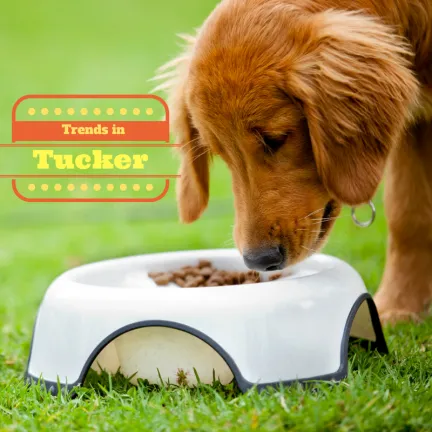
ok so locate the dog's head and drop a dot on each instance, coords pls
(304, 109)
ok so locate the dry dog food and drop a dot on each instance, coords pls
(205, 275)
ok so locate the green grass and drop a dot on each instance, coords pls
(95, 46)
(392, 392)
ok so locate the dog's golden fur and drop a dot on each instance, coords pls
(307, 101)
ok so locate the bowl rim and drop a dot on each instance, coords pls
(72, 276)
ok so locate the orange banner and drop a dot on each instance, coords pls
(90, 131)
(90, 121)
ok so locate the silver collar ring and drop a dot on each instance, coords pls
(367, 223)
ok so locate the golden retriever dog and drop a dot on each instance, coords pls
(308, 102)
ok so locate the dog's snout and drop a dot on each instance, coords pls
(268, 259)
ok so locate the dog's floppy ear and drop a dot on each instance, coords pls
(193, 185)
(358, 93)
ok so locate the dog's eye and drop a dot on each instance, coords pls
(273, 144)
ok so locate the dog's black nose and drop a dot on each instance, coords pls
(268, 259)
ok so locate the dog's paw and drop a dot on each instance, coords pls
(393, 309)
(394, 316)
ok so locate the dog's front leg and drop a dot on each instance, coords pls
(406, 288)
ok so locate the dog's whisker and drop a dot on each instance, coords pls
(308, 249)
(336, 217)
(312, 231)
(229, 242)
(323, 221)
(311, 214)
(200, 154)
(190, 142)
(319, 221)
(190, 148)
(326, 218)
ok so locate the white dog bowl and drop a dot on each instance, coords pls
(112, 316)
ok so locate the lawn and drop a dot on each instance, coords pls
(96, 46)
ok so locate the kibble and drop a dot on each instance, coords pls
(163, 279)
(204, 263)
(205, 275)
(180, 282)
(206, 271)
